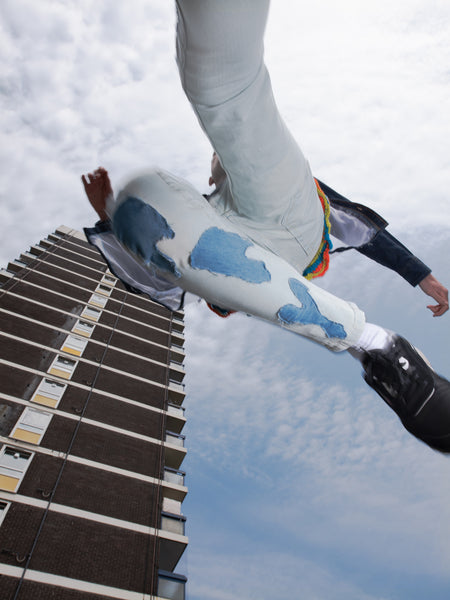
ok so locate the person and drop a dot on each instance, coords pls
(259, 239)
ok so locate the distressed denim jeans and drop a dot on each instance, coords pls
(246, 247)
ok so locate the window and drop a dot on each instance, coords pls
(103, 289)
(3, 509)
(98, 300)
(83, 328)
(91, 313)
(74, 345)
(62, 367)
(49, 393)
(31, 425)
(109, 280)
(13, 466)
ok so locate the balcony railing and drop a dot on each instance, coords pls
(171, 586)
(173, 523)
(175, 362)
(177, 411)
(174, 476)
(175, 439)
(174, 385)
(177, 342)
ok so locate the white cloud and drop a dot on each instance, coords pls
(364, 88)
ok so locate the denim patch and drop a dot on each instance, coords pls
(308, 313)
(139, 227)
(222, 252)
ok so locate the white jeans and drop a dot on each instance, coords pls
(247, 248)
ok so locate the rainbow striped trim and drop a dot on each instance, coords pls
(321, 261)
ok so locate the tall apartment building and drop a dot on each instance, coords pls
(91, 450)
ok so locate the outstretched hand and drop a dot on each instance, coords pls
(98, 187)
(432, 287)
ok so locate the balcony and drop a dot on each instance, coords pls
(175, 418)
(16, 266)
(175, 410)
(171, 586)
(177, 324)
(174, 490)
(174, 449)
(172, 546)
(177, 340)
(176, 392)
(173, 523)
(176, 439)
(174, 476)
(177, 354)
(177, 371)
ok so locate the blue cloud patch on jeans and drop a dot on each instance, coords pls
(308, 313)
(223, 253)
(140, 227)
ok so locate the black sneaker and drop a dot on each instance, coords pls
(408, 384)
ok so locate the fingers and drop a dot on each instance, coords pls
(86, 183)
(438, 310)
(88, 179)
(100, 173)
(432, 287)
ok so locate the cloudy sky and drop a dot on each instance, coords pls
(302, 483)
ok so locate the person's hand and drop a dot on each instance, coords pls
(432, 287)
(98, 187)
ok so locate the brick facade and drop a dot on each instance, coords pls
(82, 478)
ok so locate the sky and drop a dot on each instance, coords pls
(302, 482)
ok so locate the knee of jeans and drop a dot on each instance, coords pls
(139, 227)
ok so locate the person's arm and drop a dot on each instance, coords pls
(386, 250)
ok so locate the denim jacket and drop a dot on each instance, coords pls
(362, 229)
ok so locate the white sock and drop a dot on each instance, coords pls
(373, 337)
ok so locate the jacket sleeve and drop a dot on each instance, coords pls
(382, 247)
(386, 250)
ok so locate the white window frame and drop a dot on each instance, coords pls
(74, 345)
(53, 397)
(109, 279)
(88, 313)
(98, 300)
(103, 289)
(84, 328)
(32, 425)
(60, 367)
(9, 472)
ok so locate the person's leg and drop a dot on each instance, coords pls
(220, 58)
(165, 221)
